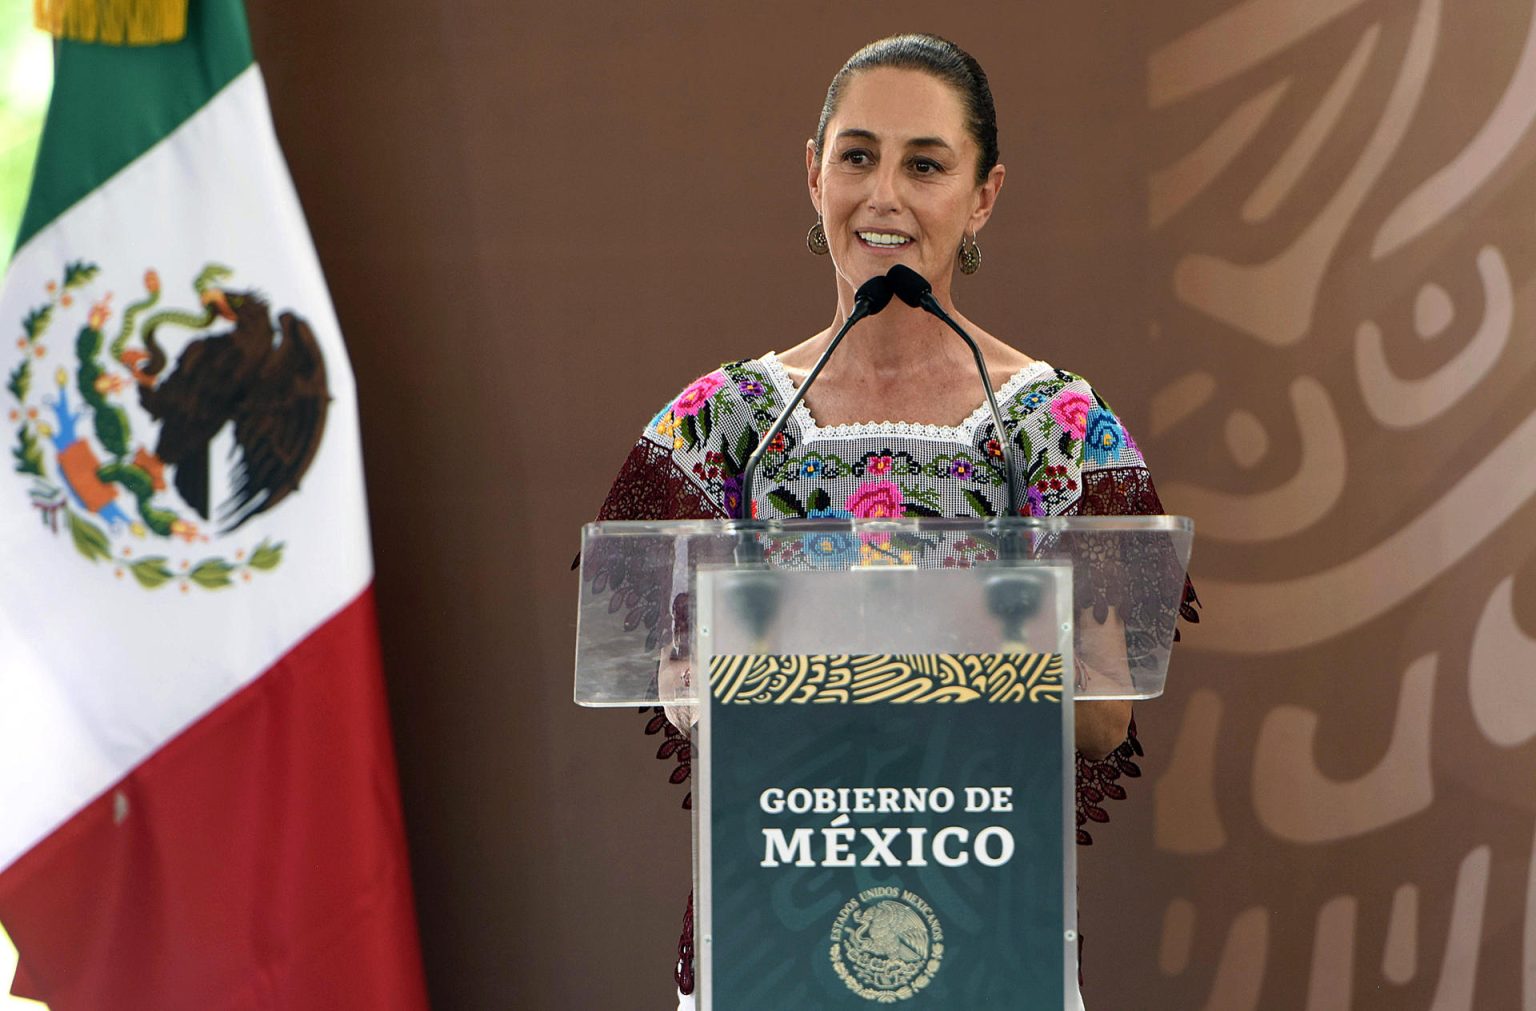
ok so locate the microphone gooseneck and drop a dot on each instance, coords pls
(1013, 595)
(872, 296)
(914, 289)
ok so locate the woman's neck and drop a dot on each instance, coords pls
(900, 341)
(901, 364)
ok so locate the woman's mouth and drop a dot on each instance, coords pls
(883, 240)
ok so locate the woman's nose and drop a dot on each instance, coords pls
(885, 192)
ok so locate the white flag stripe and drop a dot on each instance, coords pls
(97, 672)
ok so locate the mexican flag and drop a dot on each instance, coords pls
(198, 802)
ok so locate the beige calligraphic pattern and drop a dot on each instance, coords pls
(1343, 224)
(771, 679)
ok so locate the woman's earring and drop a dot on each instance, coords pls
(970, 254)
(816, 238)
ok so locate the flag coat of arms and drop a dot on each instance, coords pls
(198, 803)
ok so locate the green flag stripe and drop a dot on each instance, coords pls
(110, 104)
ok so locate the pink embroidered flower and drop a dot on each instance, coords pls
(695, 396)
(1070, 409)
(878, 464)
(876, 499)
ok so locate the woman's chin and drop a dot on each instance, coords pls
(868, 262)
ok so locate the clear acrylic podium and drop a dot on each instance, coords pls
(882, 722)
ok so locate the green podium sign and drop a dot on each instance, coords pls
(884, 828)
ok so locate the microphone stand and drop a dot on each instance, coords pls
(1013, 596)
(872, 296)
(757, 595)
(914, 289)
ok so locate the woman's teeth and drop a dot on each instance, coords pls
(884, 239)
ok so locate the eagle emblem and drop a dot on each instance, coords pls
(886, 944)
(152, 440)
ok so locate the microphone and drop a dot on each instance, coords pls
(914, 289)
(872, 296)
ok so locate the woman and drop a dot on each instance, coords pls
(903, 169)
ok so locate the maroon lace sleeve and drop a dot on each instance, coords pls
(1117, 491)
(650, 486)
(1125, 491)
(1098, 781)
(638, 576)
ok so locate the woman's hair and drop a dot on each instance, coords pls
(932, 55)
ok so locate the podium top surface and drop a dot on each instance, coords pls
(951, 524)
(907, 585)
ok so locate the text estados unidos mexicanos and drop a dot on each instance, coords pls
(842, 845)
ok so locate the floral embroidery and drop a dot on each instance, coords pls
(886, 462)
(879, 549)
(817, 465)
(963, 467)
(694, 397)
(922, 500)
(709, 467)
(1102, 436)
(1051, 490)
(875, 499)
(730, 496)
(715, 424)
(1070, 409)
(969, 551)
(1054, 478)
(830, 548)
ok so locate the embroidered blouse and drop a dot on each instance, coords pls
(1072, 454)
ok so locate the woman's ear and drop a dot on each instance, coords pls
(813, 174)
(987, 197)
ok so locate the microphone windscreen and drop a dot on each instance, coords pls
(908, 284)
(876, 293)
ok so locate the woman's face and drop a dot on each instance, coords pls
(897, 179)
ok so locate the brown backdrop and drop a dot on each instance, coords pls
(1292, 240)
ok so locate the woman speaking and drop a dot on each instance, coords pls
(903, 169)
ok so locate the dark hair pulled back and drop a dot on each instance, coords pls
(933, 55)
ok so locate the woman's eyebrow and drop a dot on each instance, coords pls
(860, 134)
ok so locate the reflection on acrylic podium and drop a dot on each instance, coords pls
(882, 719)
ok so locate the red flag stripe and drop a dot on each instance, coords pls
(256, 861)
